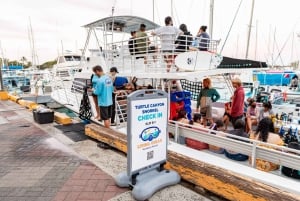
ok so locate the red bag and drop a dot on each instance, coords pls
(196, 144)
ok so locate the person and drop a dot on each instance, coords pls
(183, 41)
(294, 82)
(142, 41)
(132, 43)
(265, 133)
(289, 172)
(238, 130)
(167, 35)
(206, 96)
(227, 116)
(237, 106)
(204, 39)
(119, 83)
(104, 90)
(251, 115)
(94, 78)
(266, 111)
(217, 126)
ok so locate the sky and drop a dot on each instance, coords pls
(58, 23)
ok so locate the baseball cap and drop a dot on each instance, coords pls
(114, 69)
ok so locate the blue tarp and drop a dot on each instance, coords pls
(274, 79)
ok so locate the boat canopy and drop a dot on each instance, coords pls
(123, 23)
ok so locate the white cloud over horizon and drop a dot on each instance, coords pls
(62, 20)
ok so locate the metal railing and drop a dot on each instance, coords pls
(147, 53)
(121, 109)
(256, 149)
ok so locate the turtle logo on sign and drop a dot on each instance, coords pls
(189, 61)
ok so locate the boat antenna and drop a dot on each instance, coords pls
(235, 15)
(249, 30)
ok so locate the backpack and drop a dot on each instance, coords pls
(289, 172)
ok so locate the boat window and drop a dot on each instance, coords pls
(77, 58)
(68, 58)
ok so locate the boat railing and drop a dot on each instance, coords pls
(280, 155)
(145, 54)
(70, 92)
(121, 109)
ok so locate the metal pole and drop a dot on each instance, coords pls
(211, 17)
(2, 67)
(153, 18)
(249, 30)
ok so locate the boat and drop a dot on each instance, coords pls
(67, 64)
(154, 72)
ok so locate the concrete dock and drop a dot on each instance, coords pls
(39, 163)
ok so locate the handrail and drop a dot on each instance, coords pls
(278, 154)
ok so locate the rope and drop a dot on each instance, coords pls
(85, 112)
(231, 26)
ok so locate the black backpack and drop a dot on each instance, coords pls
(289, 171)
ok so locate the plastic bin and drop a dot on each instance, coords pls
(43, 117)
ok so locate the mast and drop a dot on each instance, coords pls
(33, 52)
(2, 67)
(153, 2)
(249, 30)
(256, 31)
(211, 17)
(172, 14)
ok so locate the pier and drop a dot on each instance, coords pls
(39, 163)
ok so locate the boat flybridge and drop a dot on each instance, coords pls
(189, 68)
(67, 64)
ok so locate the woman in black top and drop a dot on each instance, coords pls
(183, 41)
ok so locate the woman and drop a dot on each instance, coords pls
(265, 133)
(204, 39)
(251, 115)
(94, 78)
(266, 111)
(184, 41)
(207, 96)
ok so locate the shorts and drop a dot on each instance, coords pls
(228, 115)
(206, 112)
(105, 112)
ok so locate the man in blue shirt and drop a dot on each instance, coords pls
(104, 89)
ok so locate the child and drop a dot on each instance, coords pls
(227, 116)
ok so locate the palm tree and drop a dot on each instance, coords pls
(23, 60)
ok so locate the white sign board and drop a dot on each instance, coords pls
(147, 132)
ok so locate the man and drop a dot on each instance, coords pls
(142, 41)
(168, 34)
(104, 89)
(132, 43)
(237, 106)
(119, 83)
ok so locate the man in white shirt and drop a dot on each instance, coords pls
(167, 35)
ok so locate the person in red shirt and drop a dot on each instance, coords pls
(237, 106)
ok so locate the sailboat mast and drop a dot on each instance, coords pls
(1, 78)
(211, 17)
(249, 30)
(34, 62)
(153, 18)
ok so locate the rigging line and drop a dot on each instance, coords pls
(285, 43)
(235, 15)
(157, 11)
